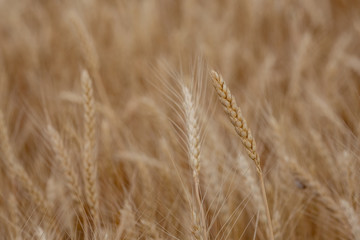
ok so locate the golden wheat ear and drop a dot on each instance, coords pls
(16, 170)
(89, 150)
(63, 158)
(238, 121)
(193, 139)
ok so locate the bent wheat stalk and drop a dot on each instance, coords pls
(240, 125)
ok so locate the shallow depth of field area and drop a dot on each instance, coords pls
(192, 119)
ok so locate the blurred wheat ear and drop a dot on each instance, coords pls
(89, 150)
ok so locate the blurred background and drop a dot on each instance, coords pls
(294, 67)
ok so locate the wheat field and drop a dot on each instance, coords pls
(192, 119)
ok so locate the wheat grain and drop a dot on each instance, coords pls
(236, 118)
(16, 171)
(89, 149)
(193, 134)
(127, 228)
(63, 158)
(193, 137)
(239, 122)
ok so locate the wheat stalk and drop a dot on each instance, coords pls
(89, 149)
(240, 125)
(251, 183)
(193, 137)
(215, 193)
(62, 156)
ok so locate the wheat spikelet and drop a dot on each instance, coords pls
(89, 149)
(16, 171)
(62, 156)
(240, 125)
(193, 137)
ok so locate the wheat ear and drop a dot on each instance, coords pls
(63, 158)
(193, 137)
(127, 228)
(240, 125)
(277, 226)
(89, 151)
(17, 171)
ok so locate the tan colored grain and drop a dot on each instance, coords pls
(89, 149)
(193, 140)
(239, 122)
(127, 228)
(68, 167)
(16, 171)
(233, 111)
